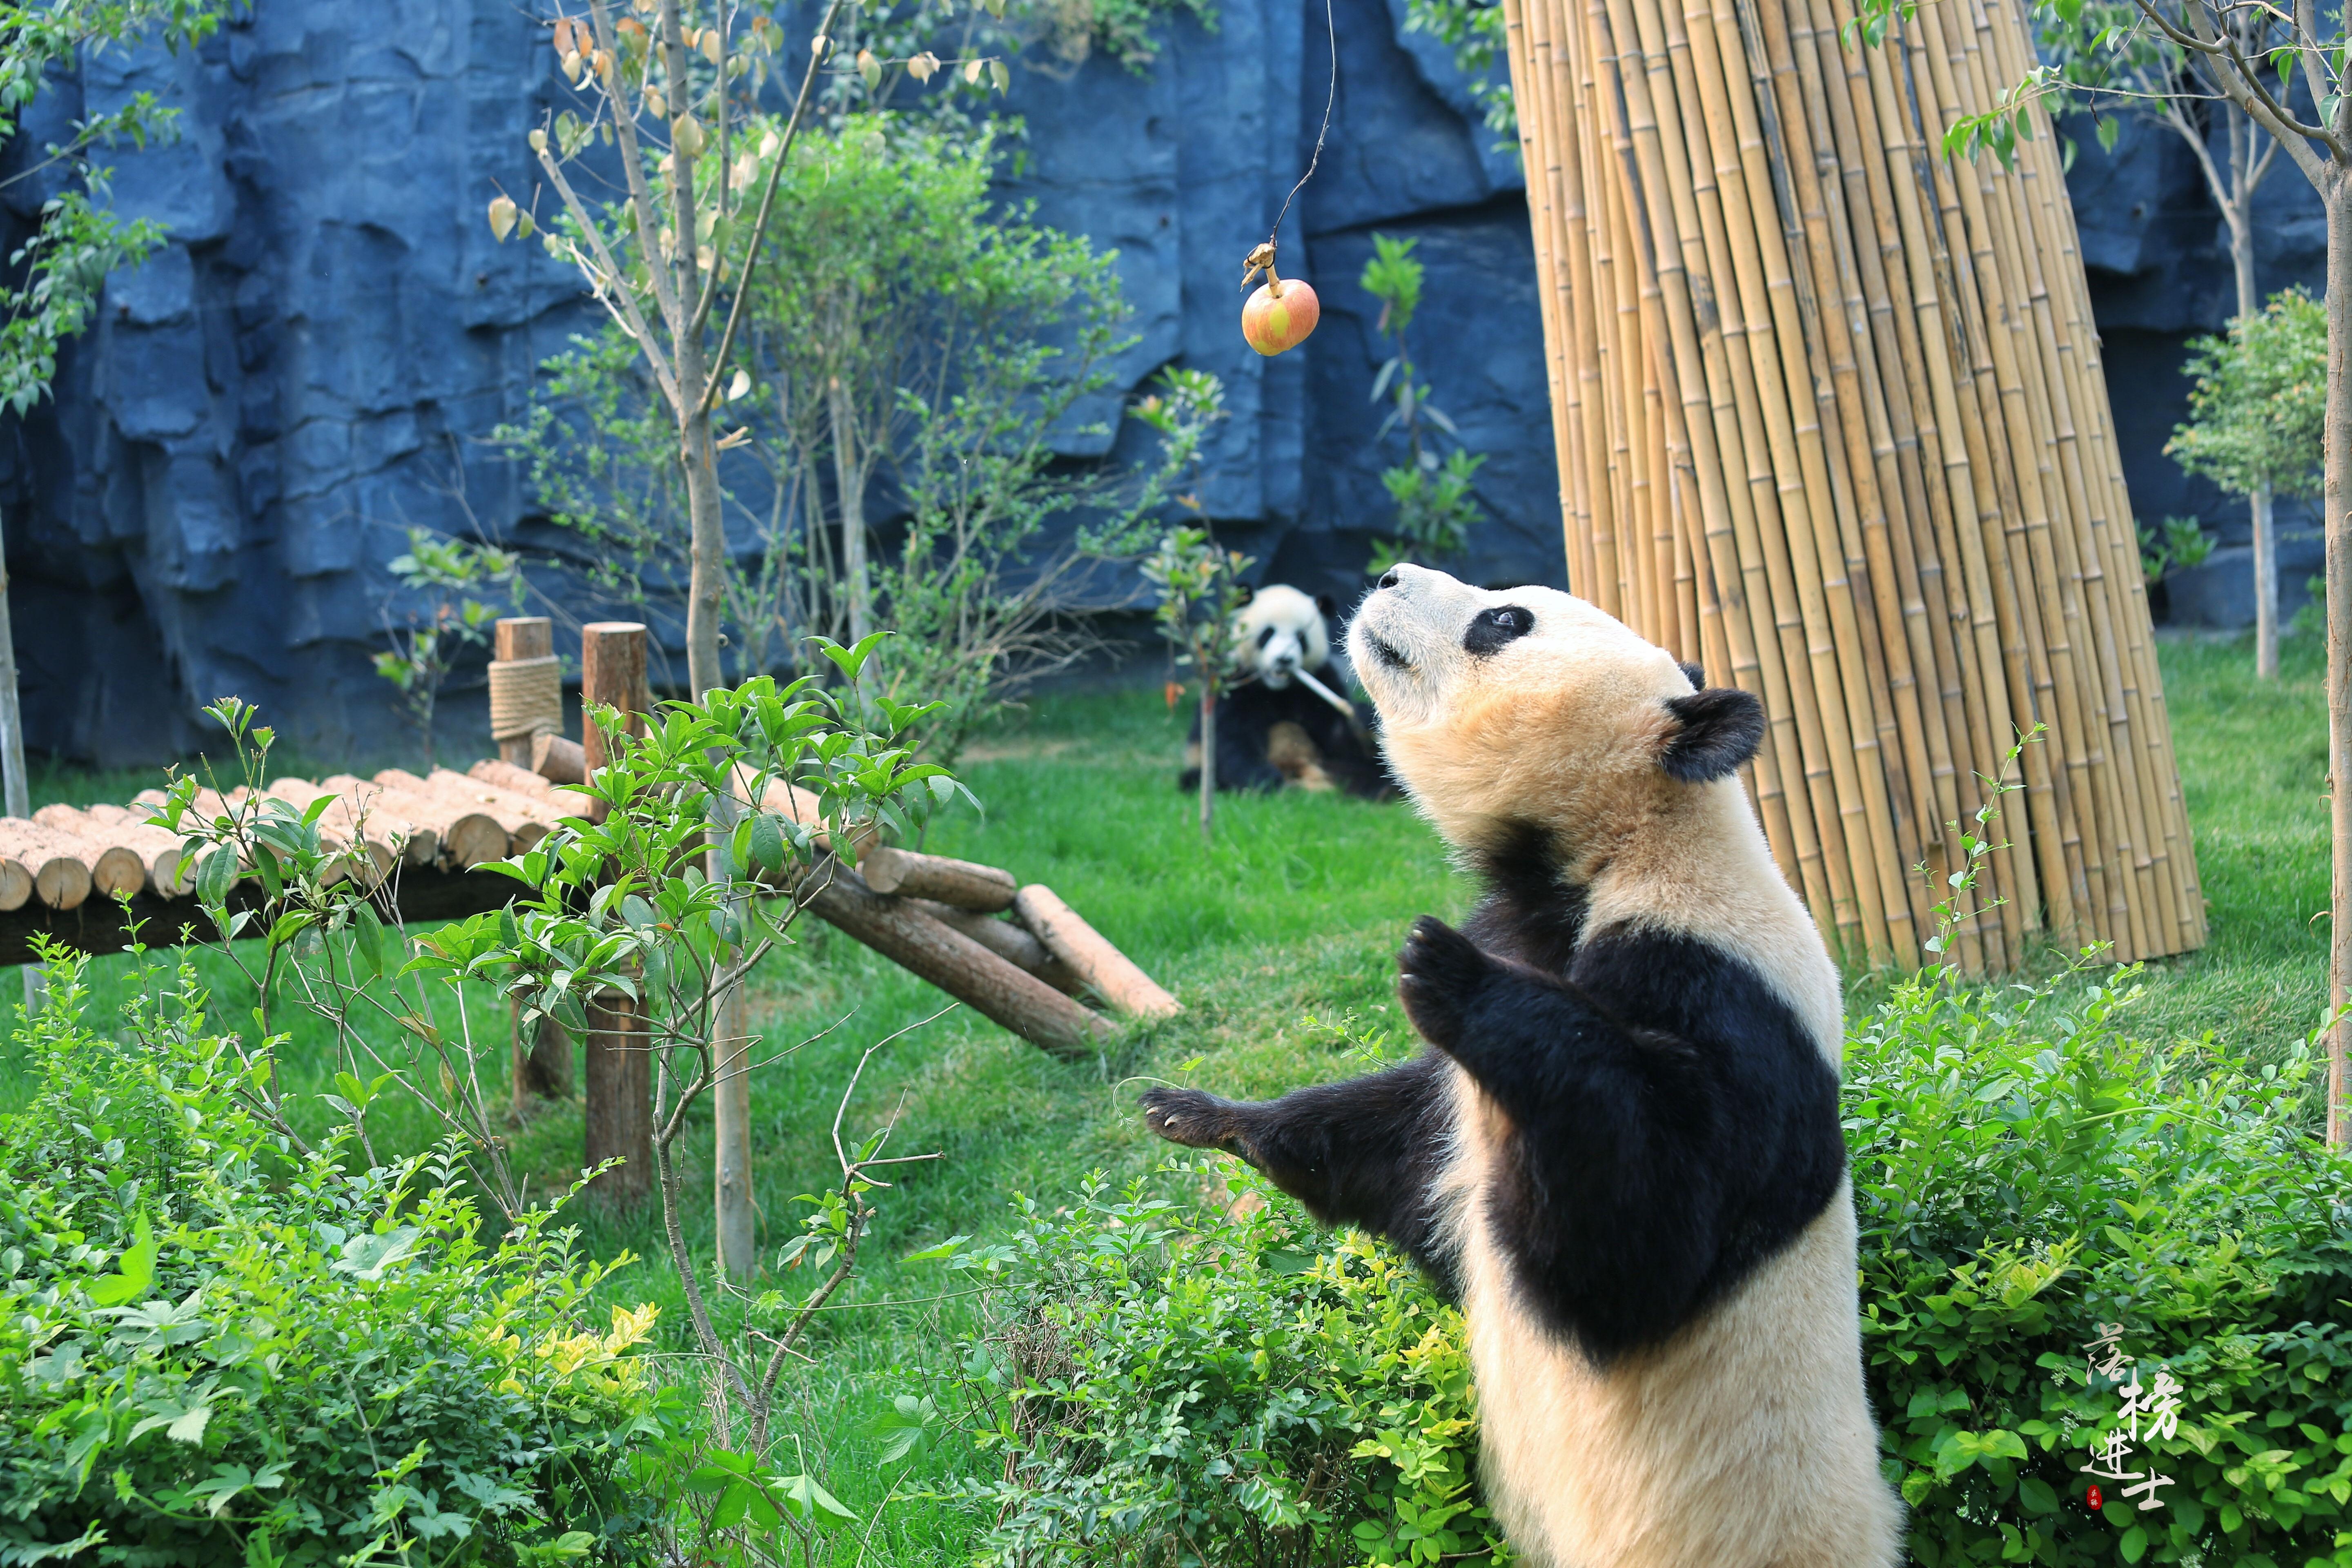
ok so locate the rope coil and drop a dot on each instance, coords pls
(526, 696)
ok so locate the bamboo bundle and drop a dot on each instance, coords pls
(1831, 421)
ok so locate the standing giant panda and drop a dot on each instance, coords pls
(1622, 1153)
(1273, 727)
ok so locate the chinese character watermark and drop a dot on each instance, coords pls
(2154, 1406)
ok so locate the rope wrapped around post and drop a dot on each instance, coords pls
(526, 686)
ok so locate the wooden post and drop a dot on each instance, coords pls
(619, 1113)
(619, 1119)
(526, 686)
(612, 675)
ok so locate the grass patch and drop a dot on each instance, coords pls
(1295, 911)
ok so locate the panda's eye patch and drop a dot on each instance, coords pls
(1264, 635)
(1495, 628)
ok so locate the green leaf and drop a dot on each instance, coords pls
(135, 1272)
(215, 877)
(809, 1503)
(367, 940)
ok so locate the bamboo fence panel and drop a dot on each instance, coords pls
(1832, 420)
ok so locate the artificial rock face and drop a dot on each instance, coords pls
(311, 363)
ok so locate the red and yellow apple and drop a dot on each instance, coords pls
(1274, 322)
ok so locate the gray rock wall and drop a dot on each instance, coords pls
(311, 365)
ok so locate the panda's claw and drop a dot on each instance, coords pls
(1440, 974)
(1190, 1117)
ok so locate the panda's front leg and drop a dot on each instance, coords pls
(1361, 1153)
(1521, 1035)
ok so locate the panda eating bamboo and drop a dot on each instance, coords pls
(1283, 722)
(1621, 1152)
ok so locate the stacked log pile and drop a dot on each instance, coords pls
(1019, 955)
(1831, 421)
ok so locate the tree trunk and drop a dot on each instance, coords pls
(730, 1100)
(850, 481)
(2338, 196)
(2239, 223)
(13, 787)
(2266, 590)
(730, 1103)
(1208, 760)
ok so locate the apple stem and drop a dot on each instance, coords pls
(1273, 280)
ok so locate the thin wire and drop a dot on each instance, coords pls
(1332, 32)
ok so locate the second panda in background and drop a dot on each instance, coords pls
(1273, 727)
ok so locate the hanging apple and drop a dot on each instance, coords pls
(1282, 313)
(1274, 322)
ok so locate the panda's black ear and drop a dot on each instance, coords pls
(1328, 605)
(1716, 731)
(1694, 674)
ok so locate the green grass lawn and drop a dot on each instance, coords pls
(1292, 914)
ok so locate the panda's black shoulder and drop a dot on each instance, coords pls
(1775, 1146)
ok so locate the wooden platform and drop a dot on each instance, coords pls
(65, 873)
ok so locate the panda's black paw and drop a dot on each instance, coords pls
(1441, 973)
(1192, 1118)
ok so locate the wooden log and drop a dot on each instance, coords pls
(1008, 941)
(617, 1114)
(59, 864)
(1116, 977)
(118, 869)
(506, 775)
(559, 760)
(525, 824)
(15, 888)
(902, 932)
(158, 848)
(464, 836)
(550, 808)
(962, 883)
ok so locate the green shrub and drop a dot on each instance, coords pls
(1188, 1388)
(1187, 1383)
(217, 1345)
(2027, 1175)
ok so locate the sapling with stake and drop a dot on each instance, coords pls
(1201, 589)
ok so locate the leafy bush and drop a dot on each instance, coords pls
(2038, 1194)
(2255, 413)
(216, 1346)
(1179, 1383)
(2028, 1175)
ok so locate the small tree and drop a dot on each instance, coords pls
(2098, 52)
(956, 344)
(1200, 588)
(1434, 503)
(441, 617)
(57, 271)
(2257, 427)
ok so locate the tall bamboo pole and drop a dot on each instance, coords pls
(1831, 421)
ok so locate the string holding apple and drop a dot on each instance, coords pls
(1283, 312)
